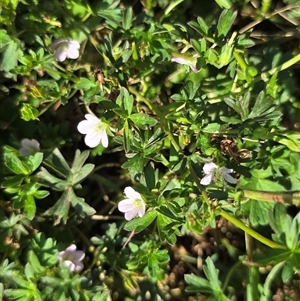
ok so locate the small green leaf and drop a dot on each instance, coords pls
(139, 224)
(225, 56)
(224, 3)
(16, 165)
(225, 22)
(197, 284)
(10, 56)
(35, 161)
(85, 84)
(127, 18)
(261, 105)
(142, 120)
(30, 207)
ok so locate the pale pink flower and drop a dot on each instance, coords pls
(211, 169)
(71, 258)
(65, 48)
(133, 205)
(95, 131)
(29, 147)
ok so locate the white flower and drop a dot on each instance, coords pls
(65, 48)
(191, 62)
(211, 168)
(132, 206)
(72, 258)
(95, 131)
(29, 147)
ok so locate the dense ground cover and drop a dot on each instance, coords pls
(150, 150)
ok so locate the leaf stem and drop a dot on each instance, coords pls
(250, 231)
(284, 66)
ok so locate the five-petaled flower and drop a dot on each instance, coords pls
(189, 61)
(211, 168)
(133, 205)
(29, 147)
(71, 258)
(95, 131)
(65, 48)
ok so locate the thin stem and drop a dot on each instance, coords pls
(284, 66)
(250, 231)
(292, 197)
(253, 273)
(229, 274)
(279, 11)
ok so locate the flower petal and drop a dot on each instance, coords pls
(61, 255)
(71, 248)
(194, 69)
(60, 54)
(26, 143)
(92, 139)
(209, 168)
(225, 170)
(79, 266)
(72, 53)
(78, 256)
(103, 138)
(131, 214)
(229, 178)
(125, 205)
(69, 264)
(206, 180)
(85, 126)
(56, 44)
(92, 117)
(74, 44)
(132, 194)
(142, 210)
(24, 151)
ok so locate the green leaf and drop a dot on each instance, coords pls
(16, 165)
(28, 112)
(225, 56)
(30, 207)
(150, 176)
(35, 161)
(58, 164)
(9, 56)
(287, 272)
(224, 3)
(212, 274)
(139, 224)
(85, 84)
(142, 120)
(225, 22)
(261, 105)
(197, 284)
(200, 27)
(80, 205)
(290, 139)
(48, 180)
(101, 296)
(61, 208)
(82, 174)
(127, 19)
(40, 194)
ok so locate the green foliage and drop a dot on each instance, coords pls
(177, 86)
